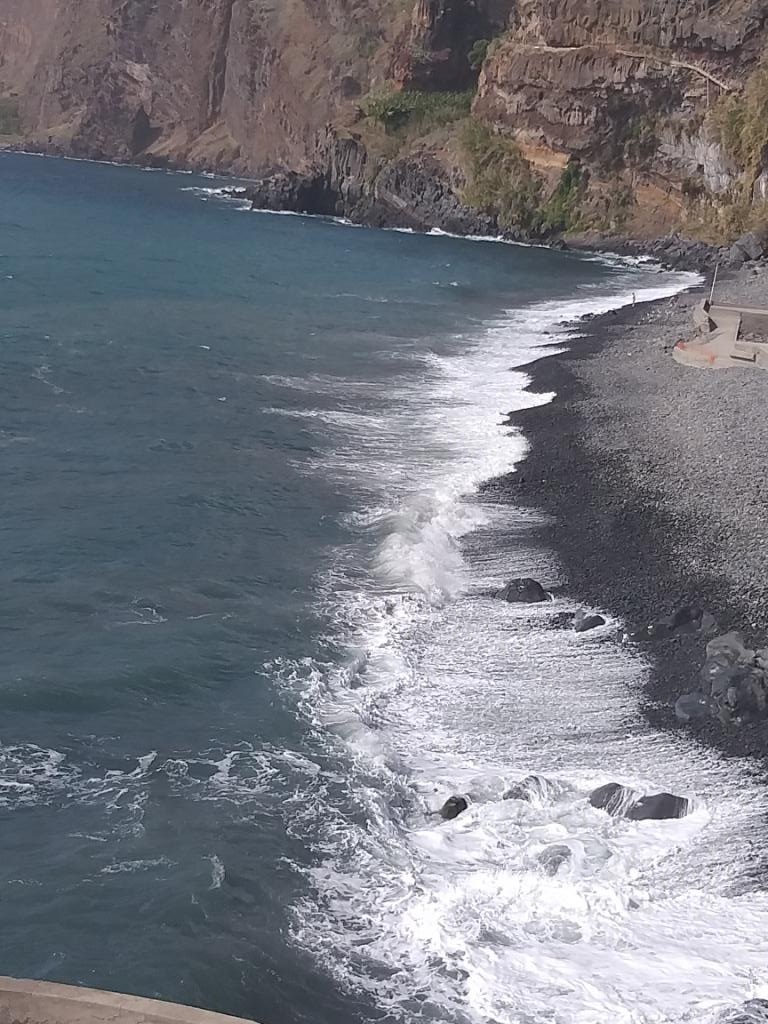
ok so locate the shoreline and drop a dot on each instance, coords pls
(671, 252)
(621, 516)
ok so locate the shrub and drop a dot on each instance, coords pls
(740, 123)
(424, 110)
(608, 209)
(722, 218)
(562, 211)
(501, 181)
(478, 53)
(9, 117)
(640, 141)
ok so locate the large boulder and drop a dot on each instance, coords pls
(532, 787)
(751, 246)
(732, 646)
(584, 622)
(453, 807)
(694, 707)
(553, 858)
(523, 591)
(658, 807)
(613, 798)
(622, 802)
(728, 662)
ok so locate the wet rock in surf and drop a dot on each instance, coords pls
(453, 807)
(583, 622)
(553, 858)
(754, 1011)
(532, 787)
(622, 802)
(523, 591)
(694, 707)
(658, 807)
(613, 798)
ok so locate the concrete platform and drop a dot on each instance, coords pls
(40, 1002)
(727, 336)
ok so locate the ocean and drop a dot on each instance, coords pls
(248, 646)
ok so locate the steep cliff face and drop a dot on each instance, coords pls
(624, 86)
(574, 75)
(234, 84)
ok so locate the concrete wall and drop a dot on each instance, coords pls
(38, 1002)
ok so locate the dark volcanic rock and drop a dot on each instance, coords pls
(453, 807)
(532, 787)
(294, 193)
(583, 622)
(694, 707)
(658, 807)
(523, 591)
(754, 1011)
(613, 798)
(553, 858)
(620, 801)
(751, 246)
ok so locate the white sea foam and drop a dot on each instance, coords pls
(444, 690)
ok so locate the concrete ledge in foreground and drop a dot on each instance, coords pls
(39, 1002)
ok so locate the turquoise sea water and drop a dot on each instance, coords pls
(239, 540)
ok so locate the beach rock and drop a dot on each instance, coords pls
(653, 631)
(708, 624)
(754, 1011)
(732, 645)
(658, 807)
(694, 707)
(613, 798)
(523, 591)
(687, 618)
(453, 807)
(532, 787)
(716, 674)
(751, 246)
(728, 663)
(751, 693)
(553, 858)
(583, 622)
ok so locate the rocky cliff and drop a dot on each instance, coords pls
(370, 100)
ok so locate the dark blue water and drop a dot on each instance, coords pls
(224, 438)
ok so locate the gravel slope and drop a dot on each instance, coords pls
(657, 476)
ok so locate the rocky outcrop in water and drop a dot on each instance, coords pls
(453, 807)
(523, 591)
(584, 622)
(620, 801)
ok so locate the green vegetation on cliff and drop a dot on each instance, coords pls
(500, 180)
(503, 183)
(409, 108)
(740, 123)
(9, 117)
